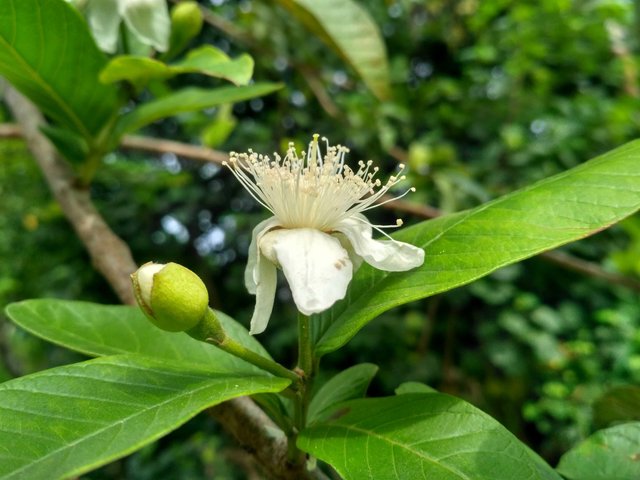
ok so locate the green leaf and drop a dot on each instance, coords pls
(209, 60)
(98, 330)
(74, 147)
(46, 52)
(613, 453)
(206, 60)
(465, 246)
(68, 420)
(413, 387)
(620, 404)
(349, 30)
(188, 100)
(421, 435)
(346, 385)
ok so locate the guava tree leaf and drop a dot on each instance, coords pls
(413, 387)
(420, 436)
(465, 246)
(48, 54)
(619, 404)
(346, 385)
(349, 30)
(73, 146)
(206, 60)
(62, 422)
(607, 454)
(99, 330)
(188, 100)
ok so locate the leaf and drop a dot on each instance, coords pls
(68, 420)
(349, 30)
(47, 53)
(98, 330)
(413, 387)
(206, 60)
(465, 246)
(620, 404)
(346, 385)
(421, 435)
(212, 61)
(74, 148)
(613, 453)
(188, 100)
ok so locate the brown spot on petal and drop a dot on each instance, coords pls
(341, 263)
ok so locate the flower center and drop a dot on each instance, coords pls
(310, 190)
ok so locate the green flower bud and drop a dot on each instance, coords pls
(186, 23)
(172, 296)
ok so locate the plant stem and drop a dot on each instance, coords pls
(305, 364)
(210, 330)
(229, 345)
(305, 348)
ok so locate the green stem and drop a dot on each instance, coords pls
(305, 348)
(305, 364)
(234, 348)
(209, 330)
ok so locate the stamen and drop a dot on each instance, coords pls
(312, 189)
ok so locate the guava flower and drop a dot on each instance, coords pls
(148, 20)
(317, 235)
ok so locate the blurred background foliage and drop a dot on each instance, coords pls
(486, 97)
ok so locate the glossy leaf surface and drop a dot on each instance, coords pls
(465, 246)
(349, 29)
(420, 436)
(605, 455)
(65, 421)
(48, 54)
(98, 330)
(346, 385)
(188, 100)
(206, 60)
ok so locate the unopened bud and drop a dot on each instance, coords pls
(172, 296)
(186, 23)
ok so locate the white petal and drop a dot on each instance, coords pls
(251, 271)
(388, 255)
(149, 21)
(316, 266)
(265, 294)
(104, 19)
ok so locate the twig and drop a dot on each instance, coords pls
(589, 268)
(194, 152)
(112, 257)
(109, 254)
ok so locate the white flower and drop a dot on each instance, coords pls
(317, 234)
(148, 20)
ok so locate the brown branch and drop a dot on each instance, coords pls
(112, 257)
(194, 152)
(589, 268)
(109, 254)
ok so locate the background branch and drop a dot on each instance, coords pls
(204, 154)
(109, 254)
